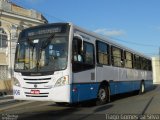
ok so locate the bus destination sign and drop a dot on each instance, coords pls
(44, 31)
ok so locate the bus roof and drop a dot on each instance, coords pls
(93, 34)
(109, 41)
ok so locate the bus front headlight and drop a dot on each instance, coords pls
(62, 81)
(16, 82)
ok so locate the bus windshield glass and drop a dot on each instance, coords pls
(34, 57)
(42, 53)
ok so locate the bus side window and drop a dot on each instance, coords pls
(117, 56)
(102, 53)
(88, 53)
(82, 60)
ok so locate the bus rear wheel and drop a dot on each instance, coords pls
(103, 95)
(142, 88)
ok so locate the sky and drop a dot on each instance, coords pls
(133, 23)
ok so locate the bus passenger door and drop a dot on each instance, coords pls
(83, 67)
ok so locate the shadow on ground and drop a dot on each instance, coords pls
(70, 112)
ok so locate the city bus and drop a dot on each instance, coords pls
(64, 63)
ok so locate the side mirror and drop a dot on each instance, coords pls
(80, 38)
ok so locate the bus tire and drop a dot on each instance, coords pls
(61, 103)
(103, 95)
(142, 88)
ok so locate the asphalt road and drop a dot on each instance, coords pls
(125, 107)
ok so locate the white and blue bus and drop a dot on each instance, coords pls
(64, 63)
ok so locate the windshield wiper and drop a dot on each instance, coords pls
(47, 41)
(43, 45)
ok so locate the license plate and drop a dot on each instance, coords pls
(35, 91)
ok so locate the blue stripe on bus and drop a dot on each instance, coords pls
(81, 91)
(128, 86)
(148, 84)
(124, 86)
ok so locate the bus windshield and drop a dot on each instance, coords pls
(42, 54)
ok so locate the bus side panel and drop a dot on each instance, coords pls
(119, 87)
(148, 84)
(82, 92)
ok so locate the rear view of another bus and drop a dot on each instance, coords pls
(41, 69)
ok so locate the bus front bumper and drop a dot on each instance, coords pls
(56, 94)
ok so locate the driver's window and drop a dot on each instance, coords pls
(77, 52)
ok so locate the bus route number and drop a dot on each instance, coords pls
(16, 92)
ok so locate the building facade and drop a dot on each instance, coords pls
(156, 69)
(13, 19)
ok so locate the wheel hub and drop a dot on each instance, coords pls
(102, 94)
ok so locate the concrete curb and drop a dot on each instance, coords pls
(7, 101)
(5, 93)
(6, 97)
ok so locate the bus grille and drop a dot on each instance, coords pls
(37, 81)
(36, 95)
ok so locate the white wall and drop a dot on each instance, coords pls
(156, 70)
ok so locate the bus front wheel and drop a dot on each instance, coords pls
(61, 103)
(103, 95)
